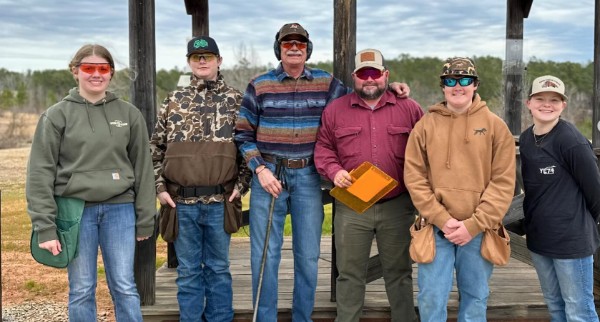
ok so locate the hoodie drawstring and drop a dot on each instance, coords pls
(105, 116)
(452, 117)
(87, 110)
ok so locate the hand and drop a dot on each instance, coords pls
(342, 179)
(402, 90)
(234, 194)
(460, 236)
(269, 182)
(53, 246)
(142, 238)
(164, 198)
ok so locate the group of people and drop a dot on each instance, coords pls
(454, 164)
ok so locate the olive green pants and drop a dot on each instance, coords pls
(389, 223)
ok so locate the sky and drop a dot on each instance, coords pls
(42, 34)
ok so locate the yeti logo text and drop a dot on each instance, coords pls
(118, 123)
(547, 170)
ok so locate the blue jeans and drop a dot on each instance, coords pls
(303, 194)
(112, 226)
(472, 276)
(568, 287)
(204, 290)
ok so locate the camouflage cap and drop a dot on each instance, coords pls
(293, 28)
(459, 66)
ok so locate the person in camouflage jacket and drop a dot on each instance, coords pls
(200, 172)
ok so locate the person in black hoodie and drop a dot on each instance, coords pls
(561, 205)
(94, 147)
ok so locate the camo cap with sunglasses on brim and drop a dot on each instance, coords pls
(459, 66)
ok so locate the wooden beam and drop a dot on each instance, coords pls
(198, 9)
(527, 7)
(513, 66)
(142, 61)
(344, 49)
(596, 94)
(344, 39)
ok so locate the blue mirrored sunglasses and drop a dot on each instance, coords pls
(463, 81)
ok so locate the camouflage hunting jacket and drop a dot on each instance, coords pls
(192, 143)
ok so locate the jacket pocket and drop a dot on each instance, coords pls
(398, 136)
(347, 141)
(460, 203)
(98, 185)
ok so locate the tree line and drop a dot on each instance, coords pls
(34, 91)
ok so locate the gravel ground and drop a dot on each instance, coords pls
(35, 312)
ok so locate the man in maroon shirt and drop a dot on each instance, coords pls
(370, 124)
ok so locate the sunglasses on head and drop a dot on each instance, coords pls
(365, 73)
(463, 81)
(90, 68)
(290, 44)
(206, 56)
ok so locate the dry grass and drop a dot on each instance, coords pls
(23, 279)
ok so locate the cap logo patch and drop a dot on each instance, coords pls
(200, 43)
(368, 56)
(549, 83)
(294, 26)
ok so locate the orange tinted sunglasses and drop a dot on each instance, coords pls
(90, 68)
(289, 44)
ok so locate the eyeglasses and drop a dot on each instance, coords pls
(463, 81)
(365, 73)
(290, 44)
(90, 68)
(208, 57)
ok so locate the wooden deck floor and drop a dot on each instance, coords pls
(515, 291)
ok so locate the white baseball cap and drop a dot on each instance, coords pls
(548, 83)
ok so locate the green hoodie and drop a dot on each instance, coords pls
(98, 152)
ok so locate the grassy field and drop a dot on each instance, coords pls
(23, 279)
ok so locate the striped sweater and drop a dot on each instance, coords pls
(280, 115)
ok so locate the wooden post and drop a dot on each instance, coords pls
(344, 50)
(513, 68)
(142, 61)
(344, 39)
(198, 9)
(596, 94)
(596, 123)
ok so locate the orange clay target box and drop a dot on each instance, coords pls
(369, 185)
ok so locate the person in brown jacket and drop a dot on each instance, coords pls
(460, 172)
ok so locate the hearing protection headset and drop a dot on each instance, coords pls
(277, 48)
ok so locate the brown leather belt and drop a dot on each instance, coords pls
(288, 163)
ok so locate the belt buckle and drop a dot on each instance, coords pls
(296, 163)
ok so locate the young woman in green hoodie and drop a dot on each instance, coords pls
(94, 147)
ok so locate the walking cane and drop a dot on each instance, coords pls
(266, 247)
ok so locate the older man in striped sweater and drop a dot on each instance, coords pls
(277, 129)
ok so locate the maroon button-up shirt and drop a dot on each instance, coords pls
(351, 133)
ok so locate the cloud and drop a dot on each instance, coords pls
(45, 34)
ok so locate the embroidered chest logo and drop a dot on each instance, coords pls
(480, 131)
(547, 170)
(118, 123)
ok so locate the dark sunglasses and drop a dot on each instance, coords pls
(290, 44)
(90, 68)
(365, 73)
(206, 56)
(463, 81)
